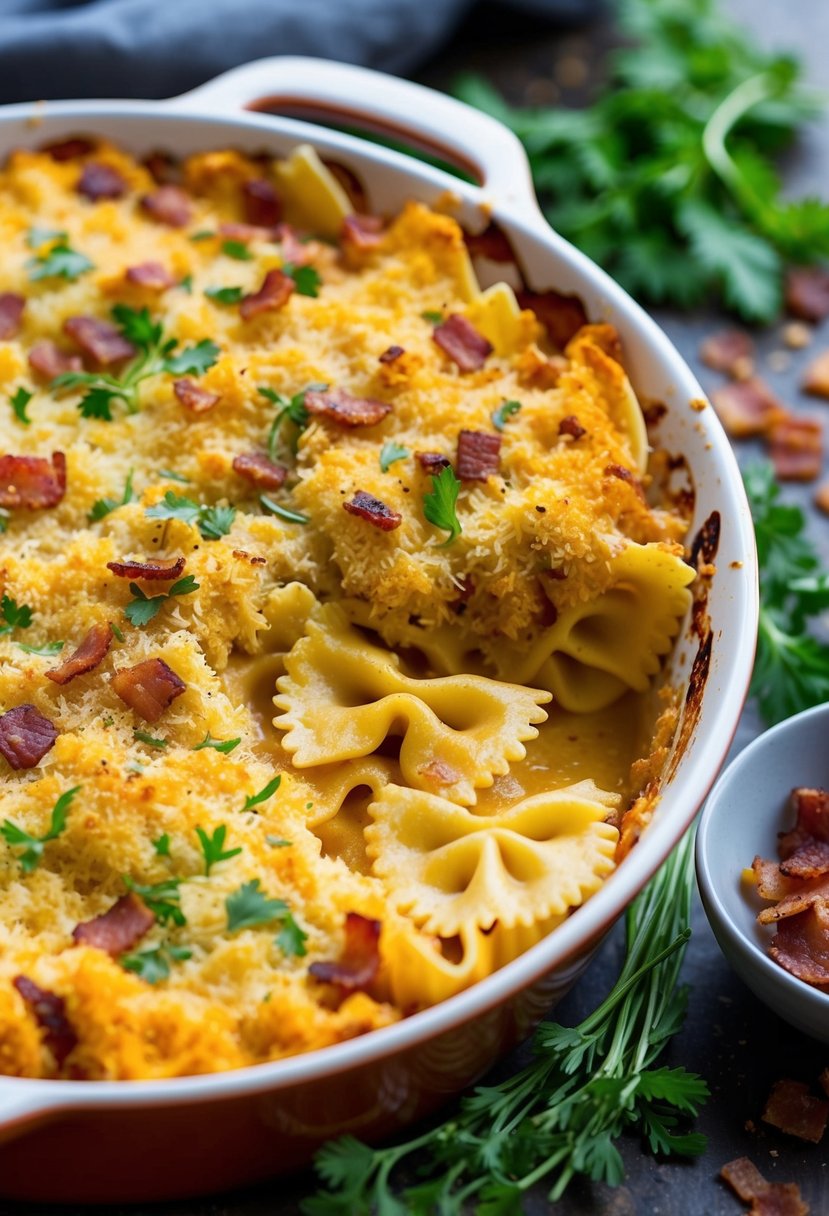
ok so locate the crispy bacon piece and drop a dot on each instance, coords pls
(792, 1109)
(161, 572)
(809, 860)
(491, 244)
(262, 204)
(571, 426)
(801, 944)
(11, 314)
(816, 379)
(358, 963)
(32, 481)
(169, 205)
(361, 233)
(748, 407)
(149, 688)
(766, 1198)
(89, 654)
(800, 897)
(119, 928)
(432, 462)
(796, 449)
(478, 455)
(562, 316)
(730, 351)
(152, 275)
(97, 338)
(622, 474)
(460, 340)
(277, 288)
(390, 354)
(256, 468)
(339, 406)
(25, 736)
(294, 249)
(366, 506)
(69, 149)
(162, 168)
(98, 181)
(811, 807)
(807, 292)
(196, 399)
(50, 1014)
(47, 358)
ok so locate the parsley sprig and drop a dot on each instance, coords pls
(439, 505)
(390, 453)
(225, 746)
(249, 907)
(162, 898)
(33, 846)
(290, 411)
(212, 522)
(54, 257)
(212, 847)
(103, 506)
(504, 412)
(19, 401)
(153, 965)
(143, 608)
(15, 616)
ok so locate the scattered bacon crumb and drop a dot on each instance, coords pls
(49, 360)
(816, 379)
(98, 181)
(119, 928)
(152, 571)
(562, 316)
(766, 1198)
(462, 343)
(100, 339)
(25, 736)
(11, 314)
(432, 462)
(478, 455)
(807, 292)
(277, 288)
(339, 406)
(360, 959)
(809, 860)
(151, 275)
(366, 506)
(232, 230)
(169, 205)
(294, 250)
(748, 407)
(491, 244)
(89, 654)
(196, 399)
(149, 687)
(50, 1014)
(390, 354)
(256, 468)
(801, 944)
(796, 449)
(619, 471)
(68, 149)
(730, 351)
(361, 233)
(792, 1109)
(571, 426)
(262, 204)
(32, 481)
(162, 168)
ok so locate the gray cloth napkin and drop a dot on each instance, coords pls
(157, 48)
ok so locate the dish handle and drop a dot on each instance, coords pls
(22, 1104)
(345, 95)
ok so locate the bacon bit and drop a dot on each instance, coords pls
(744, 1178)
(99, 181)
(262, 204)
(162, 168)
(151, 275)
(366, 506)
(562, 316)
(49, 360)
(730, 351)
(747, 408)
(149, 688)
(119, 928)
(478, 455)
(97, 338)
(816, 380)
(796, 449)
(163, 572)
(766, 1198)
(25, 736)
(195, 398)
(807, 292)
(339, 406)
(571, 426)
(811, 806)
(11, 314)
(770, 883)
(462, 343)
(810, 860)
(50, 1014)
(360, 959)
(88, 655)
(491, 244)
(32, 481)
(169, 205)
(390, 354)
(294, 250)
(68, 149)
(256, 468)
(799, 898)
(792, 1109)
(432, 462)
(235, 231)
(623, 474)
(801, 944)
(277, 288)
(361, 233)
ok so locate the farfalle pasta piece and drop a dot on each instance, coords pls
(449, 868)
(589, 356)
(342, 696)
(313, 196)
(447, 649)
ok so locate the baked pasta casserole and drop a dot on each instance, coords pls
(334, 592)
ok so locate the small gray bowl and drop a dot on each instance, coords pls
(745, 811)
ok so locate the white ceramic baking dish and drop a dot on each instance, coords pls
(118, 1141)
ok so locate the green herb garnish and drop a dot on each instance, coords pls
(249, 906)
(225, 295)
(291, 517)
(225, 746)
(59, 261)
(390, 453)
(162, 845)
(212, 522)
(264, 794)
(47, 651)
(171, 475)
(33, 846)
(203, 234)
(143, 736)
(439, 504)
(433, 315)
(19, 402)
(213, 849)
(306, 279)
(503, 412)
(143, 608)
(16, 616)
(276, 842)
(291, 938)
(292, 411)
(37, 236)
(237, 250)
(153, 965)
(162, 898)
(186, 284)
(104, 505)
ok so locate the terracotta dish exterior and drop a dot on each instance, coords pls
(139, 1141)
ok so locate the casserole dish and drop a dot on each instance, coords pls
(236, 1127)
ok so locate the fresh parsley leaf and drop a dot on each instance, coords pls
(47, 651)
(4, 520)
(237, 250)
(97, 403)
(503, 412)
(292, 411)
(16, 616)
(186, 284)
(291, 517)
(225, 295)
(249, 907)
(153, 965)
(143, 736)
(291, 938)
(390, 453)
(162, 898)
(215, 522)
(433, 315)
(204, 234)
(33, 846)
(58, 262)
(439, 504)
(137, 326)
(306, 278)
(194, 361)
(37, 236)
(103, 506)
(213, 849)
(116, 631)
(162, 845)
(276, 842)
(171, 475)
(264, 794)
(174, 506)
(225, 746)
(143, 608)
(19, 402)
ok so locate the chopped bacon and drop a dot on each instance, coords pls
(339, 406)
(744, 1178)
(262, 204)
(169, 205)
(162, 572)
(432, 462)
(119, 928)
(98, 181)
(277, 288)
(152, 275)
(97, 338)
(197, 399)
(89, 654)
(390, 354)
(233, 230)
(149, 687)
(11, 314)
(162, 168)
(809, 860)
(49, 360)
(801, 896)
(816, 379)
(361, 233)
(366, 506)
(748, 407)
(562, 316)
(69, 149)
(807, 292)
(571, 426)
(294, 249)
(462, 343)
(791, 1108)
(478, 455)
(766, 1198)
(25, 736)
(50, 1014)
(360, 959)
(256, 468)
(730, 351)
(796, 449)
(491, 244)
(801, 944)
(619, 471)
(811, 806)
(32, 481)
